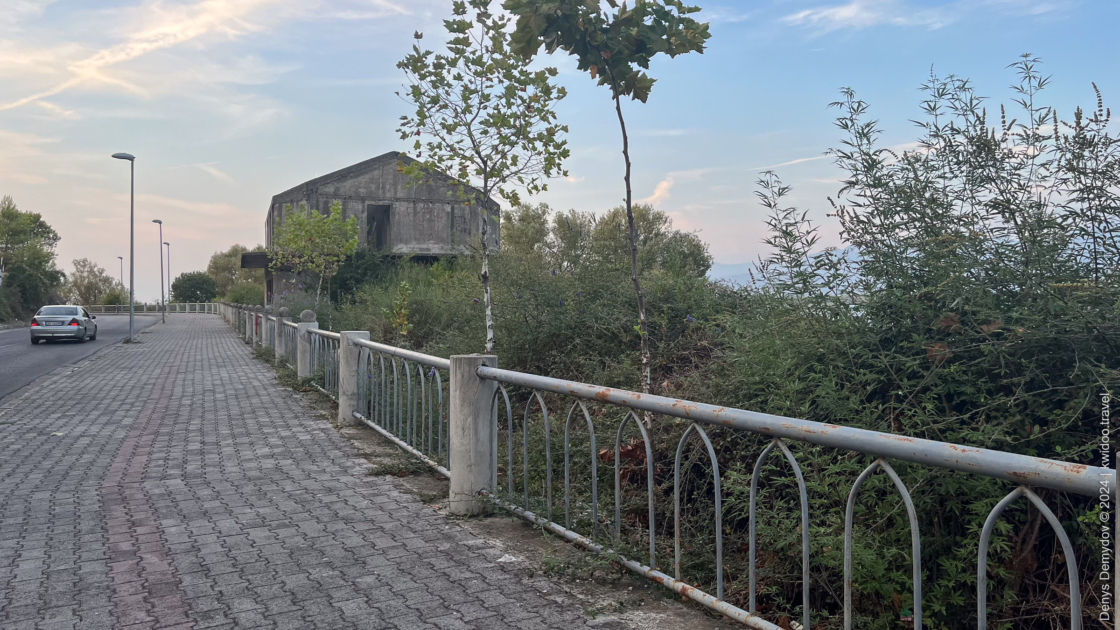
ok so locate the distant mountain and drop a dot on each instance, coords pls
(735, 274)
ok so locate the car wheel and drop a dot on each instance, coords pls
(93, 337)
(34, 342)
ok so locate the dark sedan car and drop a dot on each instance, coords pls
(63, 322)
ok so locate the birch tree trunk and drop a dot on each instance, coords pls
(643, 330)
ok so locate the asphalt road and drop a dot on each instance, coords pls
(22, 363)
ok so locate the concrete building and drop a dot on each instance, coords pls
(395, 213)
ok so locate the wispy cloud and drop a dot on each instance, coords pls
(662, 133)
(789, 163)
(218, 175)
(867, 13)
(163, 27)
(12, 11)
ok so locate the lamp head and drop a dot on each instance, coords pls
(124, 156)
(157, 221)
(167, 244)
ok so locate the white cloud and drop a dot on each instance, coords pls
(12, 11)
(660, 192)
(218, 175)
(789, 163)
(867, 13)
(58, 111)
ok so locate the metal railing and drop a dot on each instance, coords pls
(881, 448)
(324, 360)
(289, 334)
(405, 396)
(401, 394)
(173, 307)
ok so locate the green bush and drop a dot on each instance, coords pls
(975, 301)
(195, 286)
(250, 293)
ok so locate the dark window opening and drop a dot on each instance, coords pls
(377, 226)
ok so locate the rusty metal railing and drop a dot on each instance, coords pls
(1021, 470)
(324, 360)
(401, 395)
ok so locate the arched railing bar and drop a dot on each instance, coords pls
(536, 395)
(649, 484)
(718, 505)
(594, 469)
(494, 441)
(982, 557)
(804, 526)
(915, 540)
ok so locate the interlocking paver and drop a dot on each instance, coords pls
(189, 490)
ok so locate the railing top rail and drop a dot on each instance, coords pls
(1035, 471)
(291, 324)
(325, 333)
(423, 359)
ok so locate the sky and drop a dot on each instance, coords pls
(227, 102)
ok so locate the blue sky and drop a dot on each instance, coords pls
(226, 102)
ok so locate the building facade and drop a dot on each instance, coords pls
(396, 214)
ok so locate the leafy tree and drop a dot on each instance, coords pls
(485, 117)
(196, 286)
(88, 283)
(118, 295)
(28, 275)
(611, 46)
(245, 293)
(311, 242)
(225, 269)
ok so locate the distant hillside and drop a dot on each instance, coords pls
(735, 274)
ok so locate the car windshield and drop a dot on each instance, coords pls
(58, 310)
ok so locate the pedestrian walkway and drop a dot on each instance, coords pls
(174, 484)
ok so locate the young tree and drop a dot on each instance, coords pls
(195, 286)
(318, 243)
(28, 274)
(611, 47)
(485, 117)
(225, 268)
(88, 283)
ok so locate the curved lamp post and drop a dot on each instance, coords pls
(131, 243)
(168, 270)
(163, 302)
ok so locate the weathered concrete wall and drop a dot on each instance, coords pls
(425, 218)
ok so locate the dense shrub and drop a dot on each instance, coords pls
(975, 302)
(245, 293)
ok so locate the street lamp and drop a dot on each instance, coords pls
(163, 303)
(168, 270)
(131, 243)
(121, 258)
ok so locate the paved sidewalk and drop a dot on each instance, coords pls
(175, 484)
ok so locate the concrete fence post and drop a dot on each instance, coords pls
(470, 433)
(248, 326)
(281, 317)
(258, 326)
(348, 353)
(303, 343)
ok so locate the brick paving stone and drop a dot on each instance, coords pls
(174, 484)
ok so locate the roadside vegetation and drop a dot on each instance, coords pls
(29, 276)
(975, 301)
